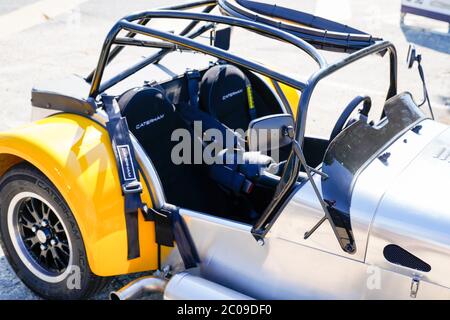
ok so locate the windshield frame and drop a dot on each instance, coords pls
(296, 161)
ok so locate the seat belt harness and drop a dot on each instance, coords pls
(128, 170)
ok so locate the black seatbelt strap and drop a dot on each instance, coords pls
(193, 79)
(226, 175)
(170, 227)
(127, 167)
(192, 112)
(230, 177)
(184, 242)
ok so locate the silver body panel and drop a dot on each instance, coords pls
(185, 286)
(400, 203)
(414, 213)
(374, 182)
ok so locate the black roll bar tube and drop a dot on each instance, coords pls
(216, 52)
(151, 59)
(237, 22)
(126, 24)
(210, 5)
(321, 39)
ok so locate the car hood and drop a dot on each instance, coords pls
(413, 210)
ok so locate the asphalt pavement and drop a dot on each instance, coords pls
(44, 40)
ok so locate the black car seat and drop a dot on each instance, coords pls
(225, 93)
(152, 118)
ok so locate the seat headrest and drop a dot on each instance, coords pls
(144, 107)
(223, 94)
(152, 119)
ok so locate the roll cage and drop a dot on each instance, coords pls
(136, 24)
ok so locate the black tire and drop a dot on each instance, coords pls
(76, 282)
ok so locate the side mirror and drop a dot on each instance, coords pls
(270, 132)
(411, 57)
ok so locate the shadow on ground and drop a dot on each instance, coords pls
(11, 288)
(427, 38)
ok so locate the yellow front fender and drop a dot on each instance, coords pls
(75, 153)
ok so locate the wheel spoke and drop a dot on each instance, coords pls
(32, 239)
(45, 212)
(64, 248)
(30, 206)
(58, 227)
(32, 242)
(25, 222)
(57, 258)
(43, 255)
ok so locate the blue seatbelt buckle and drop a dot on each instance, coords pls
(192, 74)
(132, 187)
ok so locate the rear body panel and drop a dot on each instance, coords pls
(74, 153)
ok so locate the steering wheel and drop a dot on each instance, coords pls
(343, 120)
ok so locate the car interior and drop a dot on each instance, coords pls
(219, 98)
